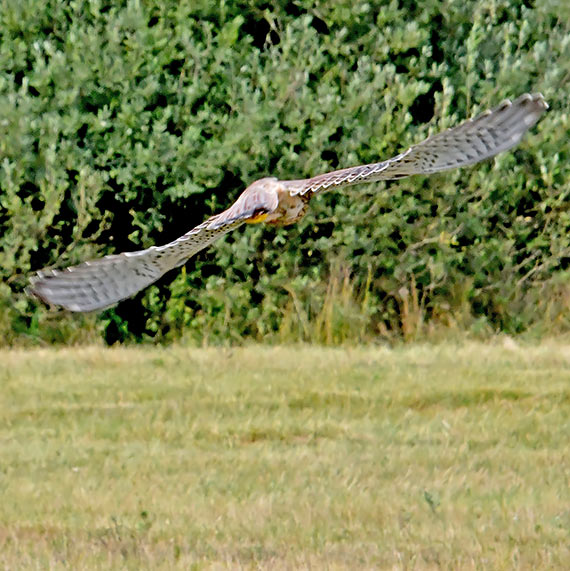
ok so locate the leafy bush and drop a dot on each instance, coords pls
(123, 124)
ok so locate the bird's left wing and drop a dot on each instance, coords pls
(103, 282)
(472, 141)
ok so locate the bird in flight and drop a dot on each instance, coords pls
(101, 283)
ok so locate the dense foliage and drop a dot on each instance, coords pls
(123, 124)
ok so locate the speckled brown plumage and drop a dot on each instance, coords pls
(102, 283)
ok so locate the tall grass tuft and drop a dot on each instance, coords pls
(334, 316)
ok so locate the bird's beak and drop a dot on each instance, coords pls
(257, 218)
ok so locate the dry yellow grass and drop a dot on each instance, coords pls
(420, 457)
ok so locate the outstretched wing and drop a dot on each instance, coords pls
(101, 283)
(474, 140)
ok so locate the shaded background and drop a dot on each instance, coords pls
(124, 124)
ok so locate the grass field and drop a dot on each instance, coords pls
(419, 457)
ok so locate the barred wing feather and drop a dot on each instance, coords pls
(474, 140)
(102, 283)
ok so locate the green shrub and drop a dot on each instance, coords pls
(124, 124)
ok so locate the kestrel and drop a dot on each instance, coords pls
(101, 283)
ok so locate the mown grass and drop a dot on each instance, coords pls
(418, 457)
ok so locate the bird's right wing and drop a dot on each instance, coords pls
(472, 141)
(102, 283)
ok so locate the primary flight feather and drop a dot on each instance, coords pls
(101, 283)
